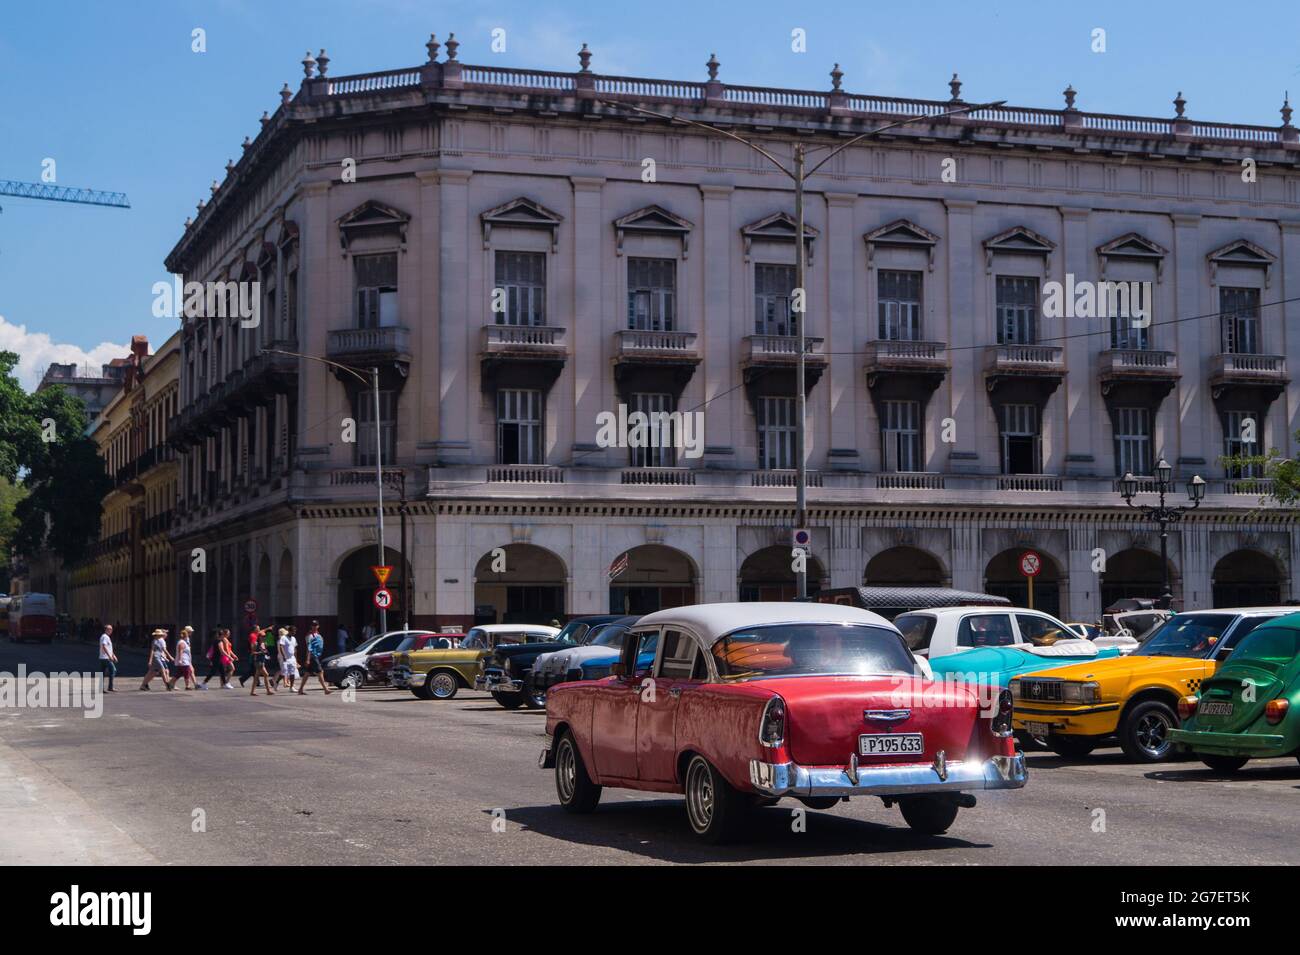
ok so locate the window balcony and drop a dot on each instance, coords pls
(910, 481)
(385, 345)
(522, 356)
(1030, 482)
(1137, 376)
(905, 370)
(783, 351)
(671, 346)
(525, 474)
(1266, 375)
(1039, 367)
(677, 477)
(783, 477)
(524, 341)
(654, 361)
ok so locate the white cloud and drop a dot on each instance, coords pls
(37, 351)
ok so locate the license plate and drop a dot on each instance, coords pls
(1215, 708)
(1038, 729)
(891, 744)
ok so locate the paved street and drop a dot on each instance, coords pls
(391, 779)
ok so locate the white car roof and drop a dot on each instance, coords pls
(978, 608)
(712, 621)
(515, 628)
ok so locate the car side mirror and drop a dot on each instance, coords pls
(618, 669)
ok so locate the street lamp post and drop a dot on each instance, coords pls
(800, 175)
(367, 376)
(1163, 514)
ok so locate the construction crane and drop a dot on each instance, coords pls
(45, 190)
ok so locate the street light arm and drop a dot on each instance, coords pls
(901, 122)
(713, 129)
(357, 372)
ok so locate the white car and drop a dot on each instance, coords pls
(945, 630)
(349, 669)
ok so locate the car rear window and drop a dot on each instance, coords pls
(985, 630)
(1273, 647)
(917, 629)
(790, 649)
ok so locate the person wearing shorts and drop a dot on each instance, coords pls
(288, 653)
(158, 660)
(184, 659)
(315, 649)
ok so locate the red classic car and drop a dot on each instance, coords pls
(745, 703)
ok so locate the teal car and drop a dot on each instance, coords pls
(1250, 708)
(997, 665)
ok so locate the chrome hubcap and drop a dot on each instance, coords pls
(443, 685)
(699, 795)
(566, 771)
(1152, 734)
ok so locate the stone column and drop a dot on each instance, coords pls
(1198, 436)
(421, 402)
(574, 429)
(1084, 593)
(458, 394)
(1086, 418)
(842, 324)
(967, 326)
(967, 557)
(718, 334)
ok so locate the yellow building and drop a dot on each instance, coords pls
(130, 579)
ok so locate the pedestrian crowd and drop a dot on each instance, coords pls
(271, 659)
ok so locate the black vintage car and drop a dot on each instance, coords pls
(506, 671)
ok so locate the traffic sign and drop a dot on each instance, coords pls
(619, 565)
(381, 573)
(801, 537)
(250, 605)
(1031, 565)
(383, 598)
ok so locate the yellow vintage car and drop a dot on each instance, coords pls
(440, 674)
(1134, 699)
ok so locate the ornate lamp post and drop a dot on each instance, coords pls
(1163, 514)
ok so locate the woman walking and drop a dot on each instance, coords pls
(158, 660)
(214, 658)
(184, 659)
(258, 653)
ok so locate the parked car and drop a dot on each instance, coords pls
(349, 669)
(1133, 698)
(1250, 708)
(600, 644)
(745, 703)
(1133, 617)
(1089, 631)
(31, 617)
(889, 602)
(378, 665)
(945, 630)
(506, 672)
(439, 674)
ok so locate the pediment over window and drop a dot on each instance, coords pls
(778, 227)
(903, 234)
(1018, 240)
(1135, 248)
(653, 220)
(372, 218)
(521, 213)
(1242, 252)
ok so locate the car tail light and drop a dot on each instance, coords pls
(1002, 716)
(1275, 711)
(771, 731)
(1187, 706)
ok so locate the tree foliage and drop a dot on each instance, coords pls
(1277, 478)
(43, 446)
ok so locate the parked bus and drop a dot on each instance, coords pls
(31, 617)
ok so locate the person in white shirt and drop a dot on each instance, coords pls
(158, 660)
(184, 659)
(107, 659)
(287, 650)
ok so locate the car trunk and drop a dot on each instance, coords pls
(824, 728)
(1231, 690)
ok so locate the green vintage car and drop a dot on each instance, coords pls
(1250, 708)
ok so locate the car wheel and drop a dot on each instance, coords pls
(511, 701)
(442, 685)
(1030, 744)
(424, 692)
(1224, 764)
(715, 810)
(930, 815)
(572, 784)
(1144, 732)
(354, 679)
(1071, 747)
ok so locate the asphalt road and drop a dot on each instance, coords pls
(389, 779)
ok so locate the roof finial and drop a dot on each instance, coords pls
(713, 65)
(432, 46)
(286, 94)
(837, 75)
(452, 46)
(246, 143)
(1069, 97)
(308, 64)
(584, 57)
(1286, 109)
(1179, 104)
(322, 61)
(214, 187)
(954, 84)
(265, 118)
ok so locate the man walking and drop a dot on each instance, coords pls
(315, 649)
(341, 638)
(288, 652)
(107, 659)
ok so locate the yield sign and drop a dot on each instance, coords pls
(381, 573)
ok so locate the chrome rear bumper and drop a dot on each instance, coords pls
(791, 779)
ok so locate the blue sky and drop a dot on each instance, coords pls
(113, 93)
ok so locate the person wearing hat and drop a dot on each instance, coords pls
(158, 660)
(184, 659)
(288, 653)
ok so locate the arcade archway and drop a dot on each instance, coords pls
(1246, 578)
(767, 575)
(1135, 572)
(904, 567)
(657, 577)
(1002, 578)
(519, 583)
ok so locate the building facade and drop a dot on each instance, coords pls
(519, 254)
(130, 578)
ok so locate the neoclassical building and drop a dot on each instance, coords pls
(518, 252)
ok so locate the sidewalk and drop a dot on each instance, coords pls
(43, 822)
